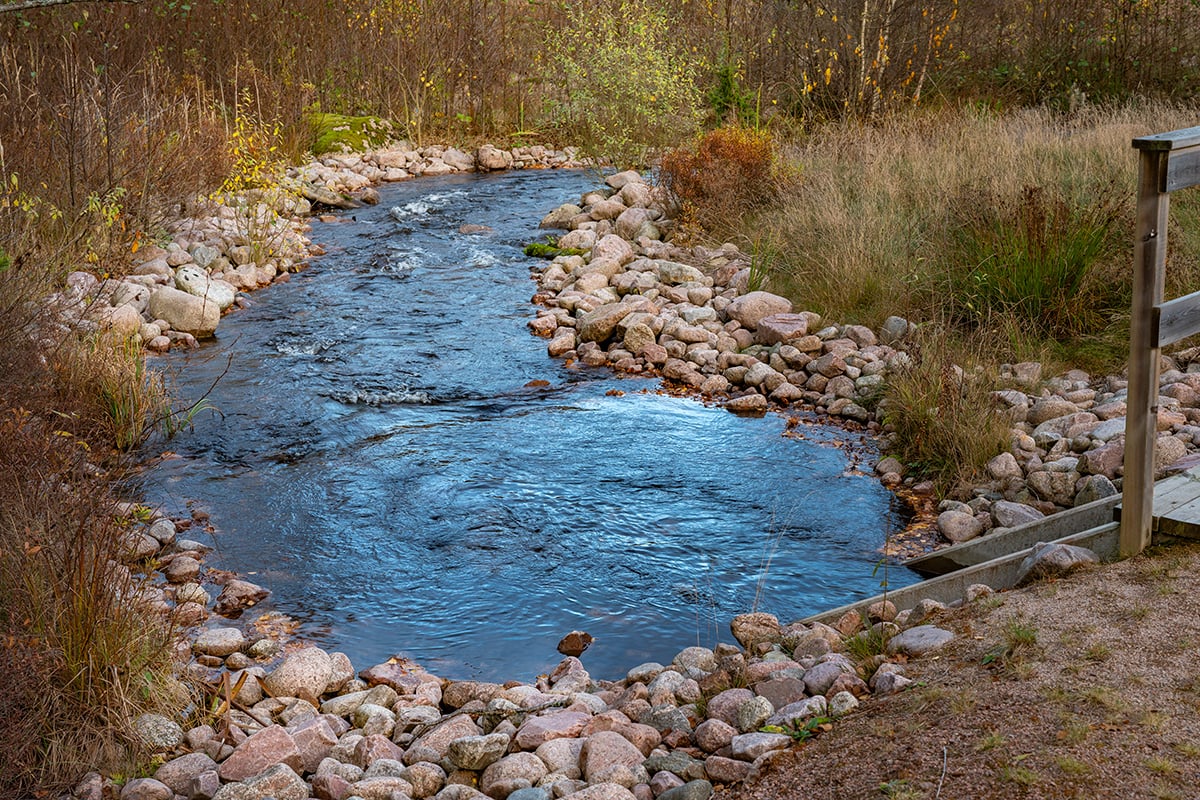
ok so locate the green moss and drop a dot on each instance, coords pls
(335, 132)
(550, 250)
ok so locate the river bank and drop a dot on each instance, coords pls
(787, 648)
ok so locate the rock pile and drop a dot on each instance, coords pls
(641, 304)
(307, 725)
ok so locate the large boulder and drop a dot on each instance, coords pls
(305, 672)
(750, 309)
(185, 312)
(194, 280)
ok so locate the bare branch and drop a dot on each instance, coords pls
(25, 5)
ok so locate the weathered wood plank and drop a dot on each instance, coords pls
(1183, 521)
(1178, 318)
(1183, 169)
(1149, 259)
(995, 545)
(1172, 140)
(999, 573)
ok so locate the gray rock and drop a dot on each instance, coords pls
(477, 752)
(778, 328)
(530, 793)
(750, 746)
(842, 703)
(677, 763)
(821, 676)
(798, 712)
(219, 642)
(919, 640)
(513, 772)
(895, 330)
(726, 770)
(196, 281)
(749, 309)
(280, 782)
(608, 756)
(747, 404)
(1005, 467)
(753, 713)
(1009, 515)
(304, 672)
(599, 324)
(959, 526)
(696, 660)
(157, 732)
(178, 773)
(1053, 560)
(1095, 487)
(185, 312)
(238, 595)
(1048, 408)
(672, 272)
(146, 789)
(561, 217)
(692, 790)
(620, 180)
(665, 718)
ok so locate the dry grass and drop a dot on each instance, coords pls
(82, 653)
(875, 226)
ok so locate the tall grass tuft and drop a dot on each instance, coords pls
(944, 424)
(1053, 262)
(130, 401)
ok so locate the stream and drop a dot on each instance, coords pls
(398, 460)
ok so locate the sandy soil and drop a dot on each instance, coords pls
(1082, 687)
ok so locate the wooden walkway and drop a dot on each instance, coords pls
(1176, 508)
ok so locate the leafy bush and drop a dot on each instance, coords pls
(727, 99)
(629, 84)
(726, 174)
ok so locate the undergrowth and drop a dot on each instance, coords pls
(724, 175)
(81, 652)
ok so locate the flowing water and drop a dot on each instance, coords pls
(381, 463)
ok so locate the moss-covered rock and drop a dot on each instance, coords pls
(335, 132)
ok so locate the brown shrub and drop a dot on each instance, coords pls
(722, 177)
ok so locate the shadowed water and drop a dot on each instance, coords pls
(381, 465)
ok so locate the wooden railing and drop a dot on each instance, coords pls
(1167, 162)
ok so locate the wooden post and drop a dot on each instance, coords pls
(1167, 162)
(1141, 418)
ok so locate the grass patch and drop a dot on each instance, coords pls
(1012, 228)
(83, 652)
(1072, 766)
(1188, 749)
(1160, 765)
(1022, 776)
(990, 742)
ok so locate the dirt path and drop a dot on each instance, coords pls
(1084, 687)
